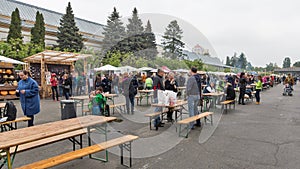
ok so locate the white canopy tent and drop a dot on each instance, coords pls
(127, 69)
(9, 60)
(106, 68)
(145, 69)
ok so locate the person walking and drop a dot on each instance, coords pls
(193, 94)
(66, 86)
(28, 90)
(258, 88)
(54, 83)
(129, 91)
(242, 84)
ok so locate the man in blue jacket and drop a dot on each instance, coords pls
(28, 90)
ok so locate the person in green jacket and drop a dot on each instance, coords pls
(258, 88)
(148, 83)
(98, 102)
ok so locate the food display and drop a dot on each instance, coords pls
(8, 83)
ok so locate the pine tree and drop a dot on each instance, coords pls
(150, 50)
(15, 31)
(228, 61)
(113, 33)
(38, 31)
(135, 25)
(172, 43)
(134, 41)
(69, 38)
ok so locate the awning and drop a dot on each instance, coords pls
(9, 60)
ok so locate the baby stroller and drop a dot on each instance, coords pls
(287, 91)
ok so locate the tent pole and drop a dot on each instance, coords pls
(43, 76)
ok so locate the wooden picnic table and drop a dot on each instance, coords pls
(178, 104)
(214, 96)
(147, 92)
(25, 135)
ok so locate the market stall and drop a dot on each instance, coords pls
(41, 64)
(8, 78)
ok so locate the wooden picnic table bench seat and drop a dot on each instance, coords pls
(63, 158)
(141, 96)
(70, 135)
(188, 120)
(227, 102)
(118, 106)
(12, 125)
(153, 115)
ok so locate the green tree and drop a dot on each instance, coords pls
(113, 33)
(242, 61)
(15, 29)
(270, 67)
(135, 25)
(228, 61)
(296, 64)
(197, 63)
(172, 44)
(286, 62)
(69, 38)
(150, 50)
(38, 31)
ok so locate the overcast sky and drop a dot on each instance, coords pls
(265, 30)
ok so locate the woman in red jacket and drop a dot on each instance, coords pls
(54, 83)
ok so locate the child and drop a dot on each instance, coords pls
(98, 102)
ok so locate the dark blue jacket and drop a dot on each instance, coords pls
(30, 100)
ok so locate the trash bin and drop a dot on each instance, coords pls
(68, 109)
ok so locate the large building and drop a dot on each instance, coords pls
(91, 31)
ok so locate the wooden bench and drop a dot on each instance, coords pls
(227, 102)
(12, 125)
(70, 135)
(187, 122)
(123, 142)
(119, 107)
(140, 97)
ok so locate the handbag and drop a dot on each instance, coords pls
(67, 86)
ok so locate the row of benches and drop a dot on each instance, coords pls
(123, 141)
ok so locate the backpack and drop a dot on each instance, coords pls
(10, 111)
(133, 87)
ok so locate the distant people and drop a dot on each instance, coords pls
(242, 84)
(289, 80)
(98, 81)
(106, 84)
(181, 80)
(158, 85)
(66, 86)
(54, 83)
(144, 77)
(193, 91)
(148, 83)
(115, 84)
(80, 82)
(171, 84)
(129, 87)
(258, 88)
(230, 93)
(28, 90)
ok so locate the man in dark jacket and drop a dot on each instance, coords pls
(193, 91)
(230, 93)
(158, 85)
(242, 84)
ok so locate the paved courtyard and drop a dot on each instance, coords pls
(251, 137)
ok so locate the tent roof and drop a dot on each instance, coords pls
(9, 60)
(56, 57)
(106, 67)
